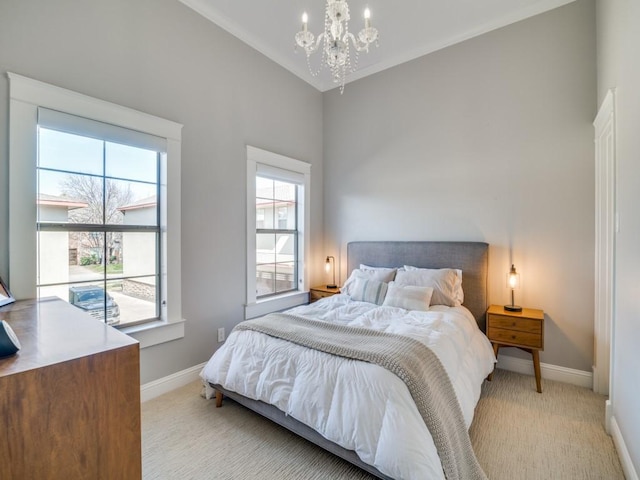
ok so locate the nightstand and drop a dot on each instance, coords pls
(523, 330)
(321, 291)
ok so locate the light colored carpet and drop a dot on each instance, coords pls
(517, 434)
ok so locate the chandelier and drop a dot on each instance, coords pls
(336, 40)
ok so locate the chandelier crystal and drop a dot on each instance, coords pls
(336, 40)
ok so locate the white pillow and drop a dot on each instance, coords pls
(379, 275)
(409, 297)
(446, 283)
(457, 287)
(371, 291)
(381, 269)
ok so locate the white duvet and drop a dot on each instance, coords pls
(358, 405)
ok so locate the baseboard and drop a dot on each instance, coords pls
(625, 459)
(550, 372)
(171, 382)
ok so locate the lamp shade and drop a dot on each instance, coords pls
(513, 278)
(330, 265)
(513, 282)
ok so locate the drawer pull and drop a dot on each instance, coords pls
(513, 337)
(513, 324)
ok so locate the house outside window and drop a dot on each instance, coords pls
(277, 231)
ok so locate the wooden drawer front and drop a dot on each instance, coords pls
(525, 339)
(520, 324)
(315, 295)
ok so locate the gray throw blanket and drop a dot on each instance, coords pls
(412, 361)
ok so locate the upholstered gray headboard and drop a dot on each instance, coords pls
(471, 257)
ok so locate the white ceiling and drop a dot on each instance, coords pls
(408, 28)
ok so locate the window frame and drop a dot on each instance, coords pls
(26, 95)
(255, 307)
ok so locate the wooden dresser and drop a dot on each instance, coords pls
(70, 398)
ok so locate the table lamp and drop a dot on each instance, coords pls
(513, 282)
(329, 265)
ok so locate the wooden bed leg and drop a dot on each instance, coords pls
(496, 349)
(219, 397)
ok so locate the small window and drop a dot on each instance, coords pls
(277, 239)
(278, 196)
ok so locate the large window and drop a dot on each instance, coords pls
(94, 208)
(99, 217)
(277, 226)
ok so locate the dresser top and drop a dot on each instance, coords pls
(51, 331)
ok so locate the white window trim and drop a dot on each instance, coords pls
(26, 95)
(255, 308)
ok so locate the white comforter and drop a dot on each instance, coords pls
(359, 406)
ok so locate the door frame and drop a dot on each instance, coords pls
(605, 232)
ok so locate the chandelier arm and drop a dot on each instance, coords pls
(318, 41)
(357, 44)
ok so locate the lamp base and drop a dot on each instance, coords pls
(513, 308)
(332, 286)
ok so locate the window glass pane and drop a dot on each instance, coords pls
(96, 301)
(131, 163)
(264, 203)
(131, 203)
(260, 212)
(264, 188)
(73, 153)
(89, 297)
(284, 191)
(265, 248)
(265, 210)
(285, 276)
(138, 253)
(286, 215)
(285, 247)
(69, 198)
(65, 197)
(265, 279)
(136, 298)
(70, 257)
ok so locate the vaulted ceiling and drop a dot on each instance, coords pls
(408, 28)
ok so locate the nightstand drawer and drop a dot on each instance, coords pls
(525, 339)
(315, 295)
(511, 323)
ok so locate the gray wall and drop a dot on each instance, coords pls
(619, 68)
(487, 140)
(160, 57)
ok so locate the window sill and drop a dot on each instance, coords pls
(275, 304)
(155, 333)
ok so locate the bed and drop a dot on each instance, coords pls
(353, 407)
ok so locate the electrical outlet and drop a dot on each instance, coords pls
(221, 335)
